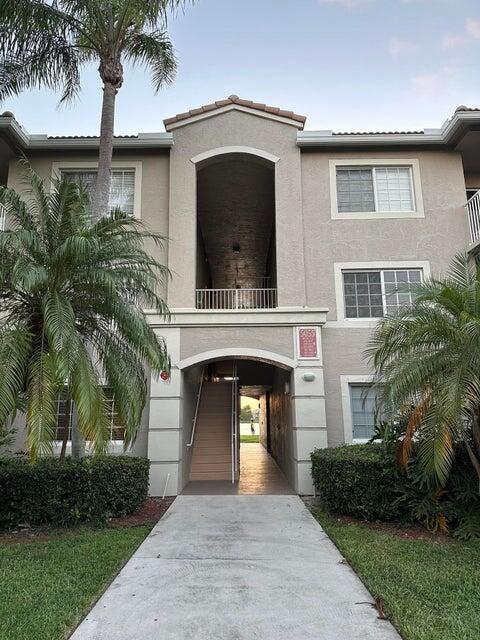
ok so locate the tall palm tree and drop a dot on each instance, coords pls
(46, 42)
(427, 361)
(72, 291)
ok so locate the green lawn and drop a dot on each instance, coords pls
(431, 588)
(249, 439)
(46, 586)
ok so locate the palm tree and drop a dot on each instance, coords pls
(72, 291)
(427, 362)
(46, 42)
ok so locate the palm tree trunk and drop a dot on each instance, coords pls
(78, 441)
(100, 205)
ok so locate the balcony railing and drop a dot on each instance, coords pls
(473, 213)
(236, 298)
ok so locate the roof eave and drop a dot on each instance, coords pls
(447, 135)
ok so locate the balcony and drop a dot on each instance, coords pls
(473, 214)
(217, 299)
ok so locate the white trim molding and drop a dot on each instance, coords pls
(221, 151)
(345, 382)
(88, 165)
(417, 195)
(238, 353)
(340, 267)
(233, 107)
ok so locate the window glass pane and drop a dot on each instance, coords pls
(117, 431)
(394, 189)
(122, 187)
(355, 190)
(363, 298)
(395, 284)
(64, 413)
(362, 400)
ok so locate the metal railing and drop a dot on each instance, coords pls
(236, 298)
(3, 218)
(197, 406)
(473, 213)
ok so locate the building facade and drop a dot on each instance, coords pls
(285, 247)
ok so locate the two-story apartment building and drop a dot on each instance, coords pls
(285, 246)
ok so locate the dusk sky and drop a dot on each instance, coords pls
(345, 64)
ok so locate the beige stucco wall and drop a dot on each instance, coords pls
(235, 128)
(434, 238)
(195, 340)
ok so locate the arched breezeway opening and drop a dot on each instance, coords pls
(220, 454)
(236, 241)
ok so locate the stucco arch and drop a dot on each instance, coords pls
(240, 354)
(236, 149)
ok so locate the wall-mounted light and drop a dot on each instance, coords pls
(308, 377)
(236, 247)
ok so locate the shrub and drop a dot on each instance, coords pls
(64, 493)
(360, 481)
(363, 481)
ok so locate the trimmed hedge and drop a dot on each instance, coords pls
(360, 481)
(72, 491)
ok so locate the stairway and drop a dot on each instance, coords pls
(212, 452)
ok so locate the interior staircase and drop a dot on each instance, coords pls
(212, 452)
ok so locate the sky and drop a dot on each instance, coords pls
(348, 65)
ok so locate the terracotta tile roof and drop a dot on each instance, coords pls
(86, 137)
(462, 107)
(378, 133)
(235, 100)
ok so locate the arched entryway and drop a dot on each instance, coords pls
(220, 456)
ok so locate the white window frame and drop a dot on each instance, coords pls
(384, 265)
(58, 167)
(416, 184)
(345, 382)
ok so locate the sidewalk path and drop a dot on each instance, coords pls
(241, 567)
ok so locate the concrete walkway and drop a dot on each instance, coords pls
(240, 567)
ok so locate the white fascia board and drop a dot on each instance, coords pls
(281, 316)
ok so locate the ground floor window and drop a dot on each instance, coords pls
(65, 413)
(362, 402)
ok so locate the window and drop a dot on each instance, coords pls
(375, 189)
(122, 189)
(117, 430)
(64, 412)
(362, 403)
(64, 417)
(377, 293)
(3, 219)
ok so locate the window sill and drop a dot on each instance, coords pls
(376, 215)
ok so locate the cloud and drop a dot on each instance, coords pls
(429, 85)
(398, 47)
(453, 41)
(473, 27)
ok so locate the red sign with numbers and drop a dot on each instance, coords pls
(164, 375)
(307, 343)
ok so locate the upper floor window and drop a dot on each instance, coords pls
(381, 189)
(122, 188)
(375, 189)
(377, 293)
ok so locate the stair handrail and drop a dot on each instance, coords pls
(197, 406)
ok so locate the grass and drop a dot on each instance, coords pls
(249, 438)
(430, 587)
(47, 584)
